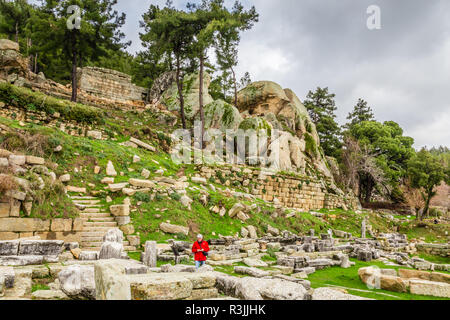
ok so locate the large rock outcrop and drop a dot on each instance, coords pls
(191, 93)
(264, 106)
(11, 61)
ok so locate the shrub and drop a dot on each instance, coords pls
(52, 202)
(7, 183)
(143, 197)
(175, 196)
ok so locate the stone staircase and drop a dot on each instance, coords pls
(96, 223)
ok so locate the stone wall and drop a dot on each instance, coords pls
(69, 230)
(72, 128)
(109, 84)
(299, 192)
(435, 249)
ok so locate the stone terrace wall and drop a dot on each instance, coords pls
(293, 192)
(69, 230)
(435, 249)
(109, 84)
(72, 128)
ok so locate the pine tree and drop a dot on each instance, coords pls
(170, 32)
(322, 108)
(15, 16)
(98, 35)
(361, 112)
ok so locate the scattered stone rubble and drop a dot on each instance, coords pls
(416, 282)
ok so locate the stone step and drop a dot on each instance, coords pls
(101, 219)
(94, 214)
(100, 224)
(97, 229)
(127, 248)
(90, 244)
(91, 210)
(84, 198)
(87, 202)
(93, 235)
(91, 206)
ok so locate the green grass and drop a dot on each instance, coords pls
(434, 258)
(348, 278)
(39, 286)
(35, 101)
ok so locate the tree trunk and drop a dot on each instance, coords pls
(427, 203)
(35, 63)
(235, 87)
(180, 93)
(200, 99)
(74, 69)
(17, 31)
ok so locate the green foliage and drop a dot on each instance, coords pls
(175, 196)
(390, 149)
(311, 145)
(143, 197)
(322, 108)
(426, 172)
(361, 112)
(61, 50)
(26, 99)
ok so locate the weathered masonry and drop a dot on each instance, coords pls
(291, 191)
(110, 84)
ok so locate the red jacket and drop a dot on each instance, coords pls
(199, 256)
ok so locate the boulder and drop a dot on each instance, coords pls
(110, 170)
(142, 183)
(113, 235)
(22, 283)
(111, 250)
(268, 289)
(49, 295)
(255, 262)
(252, 232)
(110, 281)
(273, 231)
(253, 272)
(222, 115)
(238, 207)
(78, 282)
(6, 44)
(8, 275)
(173, 229)
(191, 95)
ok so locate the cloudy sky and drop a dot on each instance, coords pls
(402, 70)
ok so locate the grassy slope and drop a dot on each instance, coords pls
(85, 153)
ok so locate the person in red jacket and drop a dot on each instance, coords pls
(201, 249)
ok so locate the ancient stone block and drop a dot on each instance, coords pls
(173, 229)
(41, 247)
(61, 225)
(150, 254)
(35, 160)
(154, 287)
(120, 210)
